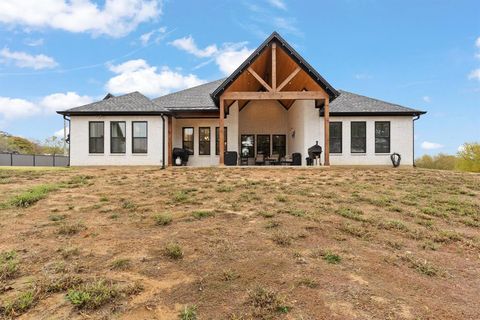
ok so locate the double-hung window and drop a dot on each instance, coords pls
(263, 144)
(139, 137)
(117, 137)
(96, 137)
(335, 137)
(204, 140)
(358, 137)
(382, 136)
(187, 139)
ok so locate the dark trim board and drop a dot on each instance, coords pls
(372, 114)
(115, 113)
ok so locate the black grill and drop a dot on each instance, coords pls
(315, 151)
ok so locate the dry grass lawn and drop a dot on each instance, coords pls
(239, 243)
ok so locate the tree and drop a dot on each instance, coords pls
(468, 158)
(53, 145)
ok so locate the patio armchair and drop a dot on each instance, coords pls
(260, 159)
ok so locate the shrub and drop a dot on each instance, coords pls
(121, 264)
(71, 229)
(202, 214)
(173, 251)
(162, 219)
(189, 313)
(331, 257)
(8, 265)
(92, 295)
(468, 158)
(20, 303)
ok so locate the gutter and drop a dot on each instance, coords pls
(163, 140)
(413, 138)
(68, 140)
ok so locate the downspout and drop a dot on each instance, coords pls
(163, 140)
(413, 138)
(68, 140)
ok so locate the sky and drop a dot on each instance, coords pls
(58, 54)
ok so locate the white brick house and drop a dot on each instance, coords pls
(272, 109)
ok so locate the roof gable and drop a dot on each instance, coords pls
(290, 52)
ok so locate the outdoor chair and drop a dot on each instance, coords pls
(260, 159)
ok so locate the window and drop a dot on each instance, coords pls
(187, 138)
(139, 137)
(382, 137)
(248, 145)
(335, 137)
(359, 137)
(217, 139)
(204, 141)
(117, 137)
(95, 137)
(279, 144)
(263, 144)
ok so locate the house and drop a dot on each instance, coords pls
(273, 106)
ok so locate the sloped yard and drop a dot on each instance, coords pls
(143, 243)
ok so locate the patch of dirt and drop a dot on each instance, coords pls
(338, 243)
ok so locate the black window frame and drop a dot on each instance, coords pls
(389, 137)
(269, 151)
(139, 138)
(192, 151)
(217, 140)
(203, 142)
(284, 146)
(90, 138)
(364, 137)
(252, 148)
(112, 138)
(333, 138)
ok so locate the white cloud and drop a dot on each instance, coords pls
(280, 4)
(138, 75)
(115, 18)
(14, 108)
(461, 148)
(11, 108)
(25, 60)
(228, 57)
(474, 75)
(188, 44)
(427, 99)
(158, 34)
(61, 101)
(232, 56)
(34, 42)
(431, 145)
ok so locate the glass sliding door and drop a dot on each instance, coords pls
(248, 145)
(279, 144)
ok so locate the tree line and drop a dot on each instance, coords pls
(14, 144)
(467, 159)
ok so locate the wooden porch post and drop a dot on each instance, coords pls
(326, 125)
(221, 132)
(274, 66)
(170, 141)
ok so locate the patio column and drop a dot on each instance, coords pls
(221, 133)
(326, 125)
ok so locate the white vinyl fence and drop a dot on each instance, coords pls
(33, 160)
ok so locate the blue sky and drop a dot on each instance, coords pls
(56, 54)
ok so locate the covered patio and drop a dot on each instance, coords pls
(274, 74)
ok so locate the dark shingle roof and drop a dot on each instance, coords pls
(351, 103)
(196, 98)
(130, 103)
